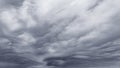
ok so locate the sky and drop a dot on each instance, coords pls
(34, 30)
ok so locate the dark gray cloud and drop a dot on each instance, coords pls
(11, 3)
(59, 34)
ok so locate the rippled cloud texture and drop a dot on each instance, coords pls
(86, 30)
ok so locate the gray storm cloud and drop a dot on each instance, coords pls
(36, 29)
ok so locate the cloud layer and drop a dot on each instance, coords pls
(87, 29)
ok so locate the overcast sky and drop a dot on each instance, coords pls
(36, 29)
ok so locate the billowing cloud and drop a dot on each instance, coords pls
(38, 29)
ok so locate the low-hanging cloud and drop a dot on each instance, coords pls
(49, 28)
